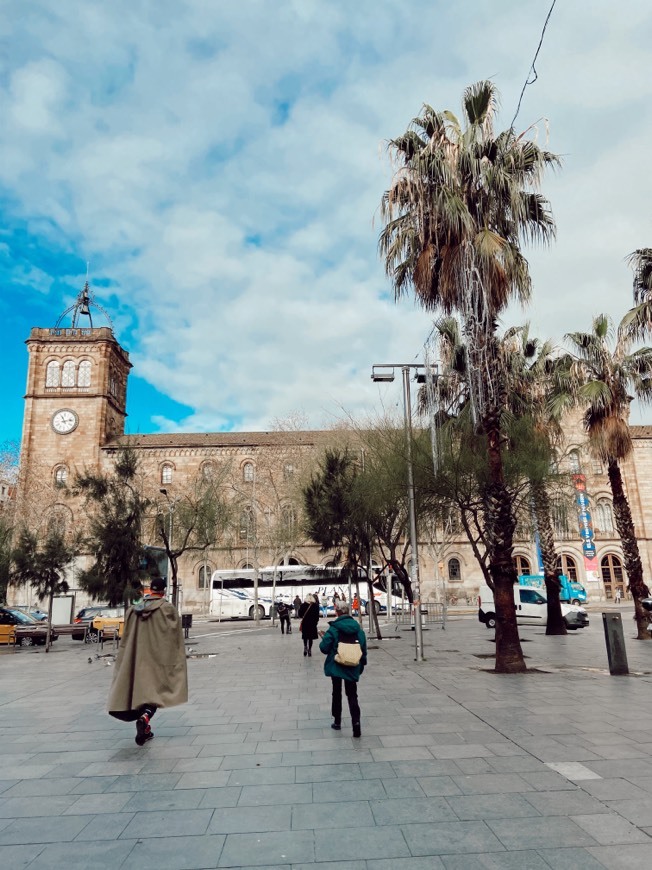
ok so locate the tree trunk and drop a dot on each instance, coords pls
(632, 557)
(541, 502)
(374, 615)
(500, 533)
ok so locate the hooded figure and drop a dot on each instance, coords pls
(150, 669)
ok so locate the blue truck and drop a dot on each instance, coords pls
(570, 592)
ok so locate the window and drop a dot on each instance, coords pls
(454, 570)
(522, 565)
(52, 374)
(454, 524)
(60, 475)
(68, 374)
(597, 467)
(208, 470)
(530, 596)
(287, 520)
(568, 567)
(247, 525)
(57, 520)
(288, 471)
(560, 522)
(84, 373)
(574, 462)
(613, 577)
(166, 474)
(604, 518)
(204, 577)
(248, 472)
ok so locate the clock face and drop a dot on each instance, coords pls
(64, 421)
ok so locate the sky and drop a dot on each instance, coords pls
(219, 167)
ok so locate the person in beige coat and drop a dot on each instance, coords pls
(150, 668)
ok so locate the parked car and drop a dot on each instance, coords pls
(86, 616)
(531, 609)
(27, 630)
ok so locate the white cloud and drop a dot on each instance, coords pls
(224, 163)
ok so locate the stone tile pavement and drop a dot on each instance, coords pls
(457, 767)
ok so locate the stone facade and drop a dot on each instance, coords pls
(75, 408)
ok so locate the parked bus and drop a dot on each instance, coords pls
(232, 591)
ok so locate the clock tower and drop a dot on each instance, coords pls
(75, 401)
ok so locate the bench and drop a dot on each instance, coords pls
(71, 628)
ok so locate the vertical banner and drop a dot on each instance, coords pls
(585, 522)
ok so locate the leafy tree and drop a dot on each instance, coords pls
(42, 564)
(461, 203)
(6, 532)
(336, 517)
(116, 514)
(601, 374)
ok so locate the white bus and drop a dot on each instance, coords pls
(232, 591)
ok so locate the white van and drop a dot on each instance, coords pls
(531, 609)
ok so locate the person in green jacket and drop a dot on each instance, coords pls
(344, 628)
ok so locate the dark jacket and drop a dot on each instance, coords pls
(343, 625)
(309, 614)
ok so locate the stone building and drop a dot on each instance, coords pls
(75, 410)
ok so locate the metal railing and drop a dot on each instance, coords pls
(432, 613)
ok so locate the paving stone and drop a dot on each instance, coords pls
(175, 853)
(480, 806)
(167, 823)
(622, 857)
(360, 842)
(50, 829)
(429, 863)
(611, 829)
(262, 776)
(522, 860)
(103, 855)
(639, 812)
(442, 838)
(406, 810)
(107, 826)
(261, 795)
(492, 783)
(174, 799)
(144, 782)
(327, 772)
(241, 820)
(267, 849)
(537, 832)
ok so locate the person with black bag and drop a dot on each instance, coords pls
(309, 613)
(283, 611)
(345, 648)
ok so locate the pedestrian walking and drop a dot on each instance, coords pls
(150, 668)
(283, 611)
(344, 630)
(617, 595)
(296, 604)
(309, 613)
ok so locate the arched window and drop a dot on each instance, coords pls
(613, 577)
(52, 373)
(574, 462)
(560, 519)
(84, 373)
(248, 472)
(166, 473)
(454, 570)
(604, 517)
(57, 520)
(204, 577)
(287, 520)
(247, 524)
(454, 524)
(60, 475)
(68, 374)
(288, 471)
(208, 470)
(567, 566)
(522, 565)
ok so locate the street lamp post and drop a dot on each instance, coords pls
(171, 506)
(385, 373)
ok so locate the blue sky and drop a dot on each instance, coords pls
(220, 166)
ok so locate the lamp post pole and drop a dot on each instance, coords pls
(388, 375)
(171, 506)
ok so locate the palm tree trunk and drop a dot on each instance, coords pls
(541, 502)
(633, 566)
(500, 534)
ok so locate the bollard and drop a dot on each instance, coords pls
(615, 640)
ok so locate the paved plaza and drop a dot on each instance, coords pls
(457, 767)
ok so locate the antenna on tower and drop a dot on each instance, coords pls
(82, 307)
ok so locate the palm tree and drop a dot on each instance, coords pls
(603, 375)
(462, 201)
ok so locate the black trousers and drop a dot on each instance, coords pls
(285, 621)
(351, 689)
